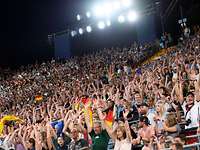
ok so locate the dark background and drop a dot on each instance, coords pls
(25, 25)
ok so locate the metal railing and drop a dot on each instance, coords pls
(197, 145)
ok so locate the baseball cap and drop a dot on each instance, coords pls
(144, 119)
(144, 104)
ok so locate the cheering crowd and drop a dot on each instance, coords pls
(104, 101)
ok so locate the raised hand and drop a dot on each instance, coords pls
(125, 114)
(102, 116)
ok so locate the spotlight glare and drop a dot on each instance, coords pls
(108, 23)
(116, 5)
(107, 9)
(88, 14)
(121, 19)
(126, 3)
(132, 16)
(98, 11)
(80, 31)
(101, 25)
(88, 29)
(78, 17)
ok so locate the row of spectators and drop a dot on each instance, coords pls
(100, 101)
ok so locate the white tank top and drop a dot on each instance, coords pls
(122, 145)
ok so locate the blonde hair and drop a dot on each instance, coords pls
(128, 105)
(161, 104)
(171, 119)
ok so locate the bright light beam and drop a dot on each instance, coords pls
(126, 3)
(132, 16)
(107, 9)
(116, 5)
(98, 11)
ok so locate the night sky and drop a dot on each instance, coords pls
(25, 25)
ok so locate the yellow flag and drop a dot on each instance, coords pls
(6, 119)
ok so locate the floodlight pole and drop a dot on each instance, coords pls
(181, 11)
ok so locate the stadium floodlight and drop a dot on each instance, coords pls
(80, 31)
(132, 16)
(126, 3)
(121, 19)
(88, 14)
(88, 29)
(73, 33)
(101, 25)
(78, 17)
(103, 10)
(108, 23)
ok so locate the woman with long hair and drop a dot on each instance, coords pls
(171, 126)
(121, 134)
(159, 117)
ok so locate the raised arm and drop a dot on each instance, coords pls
(196, 84)
(101, 115)
(49, 136)
(62, 113)
(179, 91)
(67, 121)
(38, 143)
(34, 115)
(81, 127)
(51, 112)
(127, 128)
(87, 121)
(24, 139)
(181, 98)
(108, 129)
(173, 92)
(11, 139)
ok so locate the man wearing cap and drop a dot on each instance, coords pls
(146, 132)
